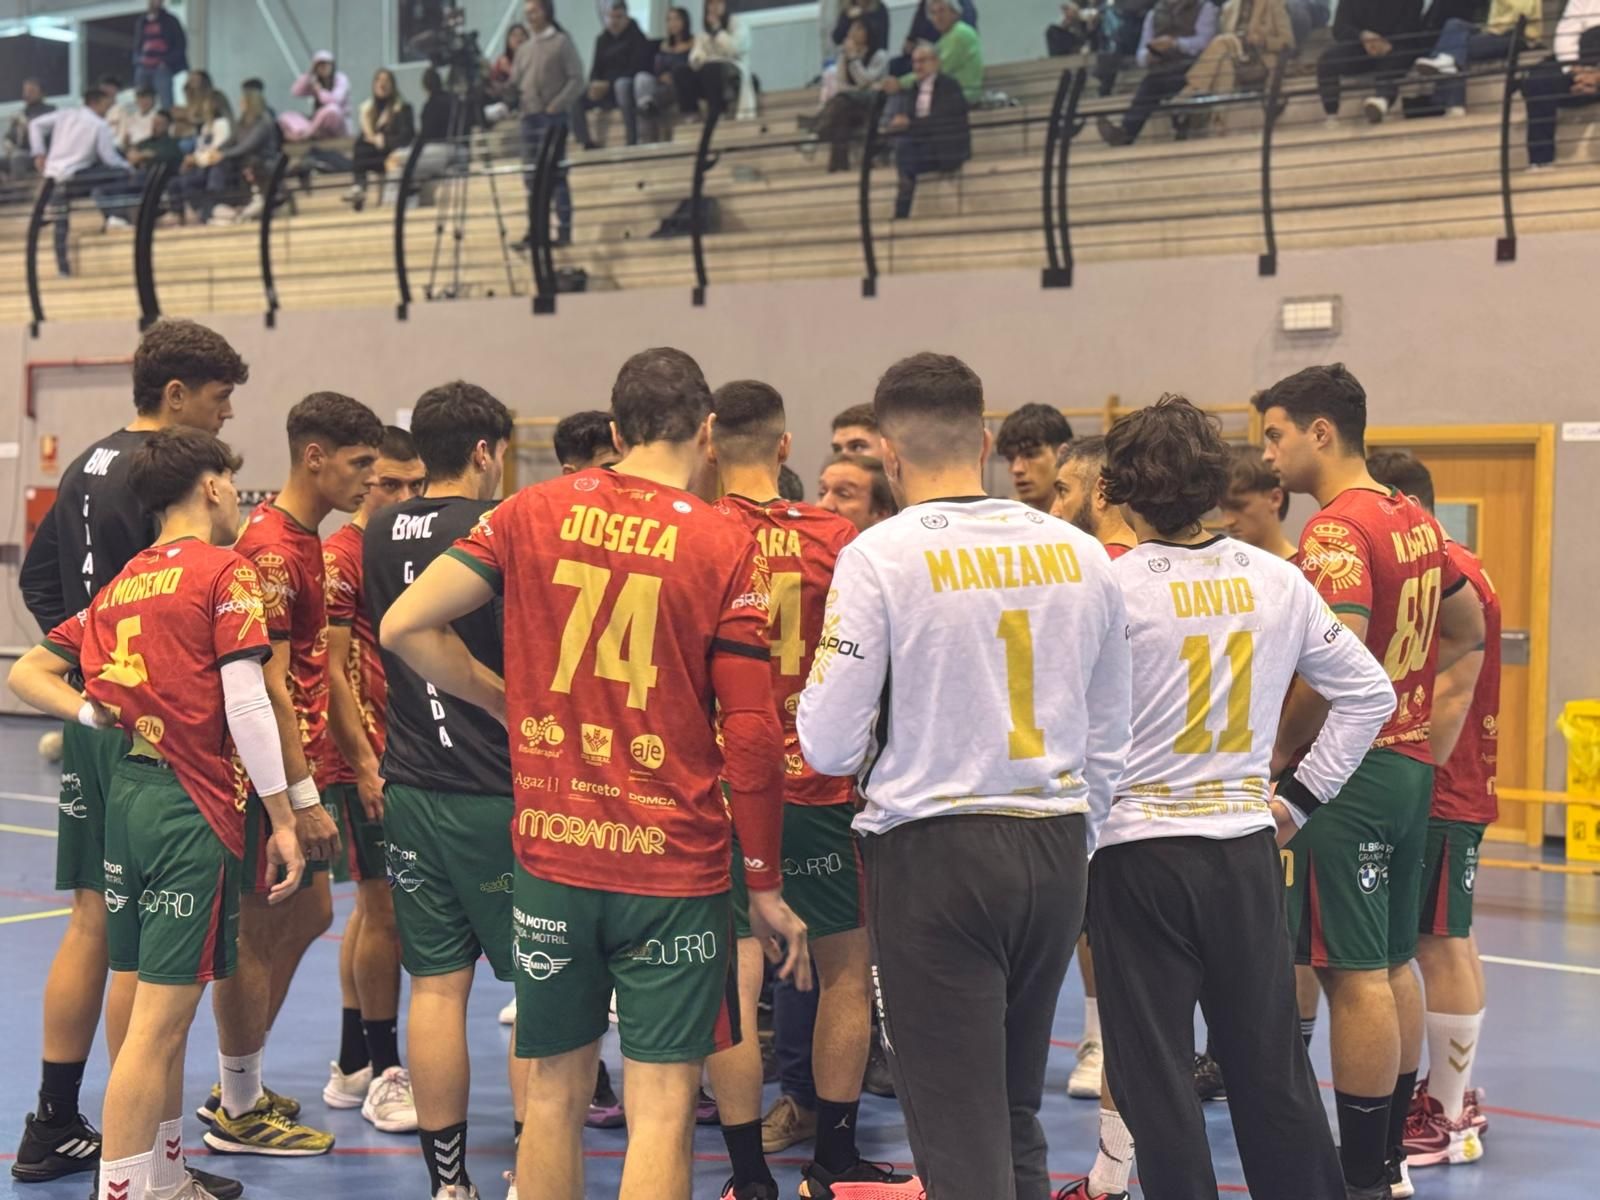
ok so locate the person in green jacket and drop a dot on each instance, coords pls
(960, 52)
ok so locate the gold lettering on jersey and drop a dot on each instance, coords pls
(779, 543)
(620, 532)
(133, 588)
(992, 567)
(585, 831)
(1415, 542)
(1211, 597)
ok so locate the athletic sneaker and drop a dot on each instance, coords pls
(750, 1191)
(605, 1110)
(508, 1014)
(1436, 64)
(1472, 1104)
(1378, 1191)
(346, 1091)
(1208, 1084)
(864, 1181)
(455, 1191)
(285, 1106)
(219, 1186)
(1084, 1082)
(49, 1152)
(265, 1130)
(878, 1080)
(785, 1124)
(1399, 1179)
(1375, 109)
(1432, 1138)
(705, 1110)
(390, 1106)
(1080, 1191)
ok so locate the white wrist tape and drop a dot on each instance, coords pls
(303, 794)
(89, 715)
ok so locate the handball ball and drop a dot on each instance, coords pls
(50, 746)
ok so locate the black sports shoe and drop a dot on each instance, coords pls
(49, 1152)
(219, 1186)
(750, 1191)
(1208, 1082)
(817, 1184)
(877, 1080)
(1378, 1191)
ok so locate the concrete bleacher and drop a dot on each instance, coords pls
(783, 216)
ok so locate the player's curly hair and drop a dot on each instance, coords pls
(166, 468)
(186, 351)
(1168, 463)
(334, 421)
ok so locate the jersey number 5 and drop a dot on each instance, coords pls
(1236, 734)
(633, 621)
(126, 668)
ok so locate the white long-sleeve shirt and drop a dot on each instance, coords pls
(77, 138)
(1578, 16)
(1218, 632)
(974, 659)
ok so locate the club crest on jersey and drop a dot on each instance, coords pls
(1161, 565)
(1036, 518)
(587, 483)
(1241, 558)
(596, 744)
(276, 591)
(935, 521)
(1327, 547)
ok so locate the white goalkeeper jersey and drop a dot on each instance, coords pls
(1218, 632)
(974, 659)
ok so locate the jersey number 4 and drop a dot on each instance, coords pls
(1236, 736)
(626, 649)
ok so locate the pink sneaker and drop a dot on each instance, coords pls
(1080, 1191)
(864, 1181)
(1432, 1139)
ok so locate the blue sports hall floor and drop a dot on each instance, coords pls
(1541, 934)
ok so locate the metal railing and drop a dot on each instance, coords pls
(1197, 194)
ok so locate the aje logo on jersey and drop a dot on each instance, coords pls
(151, 729)
(649, 751)
(612, 836)
(544, 736)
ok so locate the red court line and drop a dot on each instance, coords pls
(43, 897)
(1063, 1044)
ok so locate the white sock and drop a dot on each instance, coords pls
(1091, 1020)
(125, 1178)
(1114, 1163)
(241, 1082)
(1452, 1045)
(168, 1171)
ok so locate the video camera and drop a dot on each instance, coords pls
(451, 47)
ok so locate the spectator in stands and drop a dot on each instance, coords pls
(115, 200)
(160, 51)
(548, 76)
(16, 156)
(1306, 17)
(934, 136)
(500, 73)
(251, 152)
(1122, 29)
(960, 53)
(1570, 79)
(82, 155)
(790, 486)
(139, 122)
(874, 16)
(328, 88)
(1079, 28)
(206, 177)
(1462, 43)
(1371, 37)
(434, 129)
(717, 73)
(197, 90)
(847, 93)
(621, 52)
(654, 91)
(116, 115)
(1252, 36)
(388, 124)
(1030, 440)
(855, 487)
(924, 30)
(1175, 32)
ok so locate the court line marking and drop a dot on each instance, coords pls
(35, 916)
(1535, 964)
(30, 798)
(30, 830)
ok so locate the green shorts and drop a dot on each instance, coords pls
(822, 878)
(1449, 873)
(172, 888)
(360, 839)
(258, 880)
(88, 757)
(449, 864)
(669, 959)
(1355, 869)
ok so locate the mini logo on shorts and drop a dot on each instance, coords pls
(648, 751)
(539, 966)
(151, 729)
(596, 744)
(74, 808)
(115, 901)
(1161, 565)
(935, 521)
(1367, 875)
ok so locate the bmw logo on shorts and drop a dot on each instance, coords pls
(1367, 876)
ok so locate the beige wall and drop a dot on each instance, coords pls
(1437, 332)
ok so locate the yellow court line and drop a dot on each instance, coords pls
(30, 830)
(35, 916)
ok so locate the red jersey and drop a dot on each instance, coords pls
(1463, 788)
(801, 543)
(341, 564)
(288, 557)
(1381, 555)
(617, 593)
(1116, 550)
(151, 647)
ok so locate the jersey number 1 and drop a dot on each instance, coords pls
(1016, 631)
(1236, 735)
(633, 621)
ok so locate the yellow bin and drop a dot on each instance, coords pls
(1580, 725)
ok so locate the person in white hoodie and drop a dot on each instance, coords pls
(1570, 79)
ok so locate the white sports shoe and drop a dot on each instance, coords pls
(1438, 64)
(508, 1014)
(390, 1105)
(1084, 1082)
(346, 1091)
(454, 1191)
(511, 1184)
(1376, 108)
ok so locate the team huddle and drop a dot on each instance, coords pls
(639, 734)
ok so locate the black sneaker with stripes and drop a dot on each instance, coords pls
(49, 1152)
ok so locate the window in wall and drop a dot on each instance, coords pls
(418, 17)
(108, 48)
(45, 55)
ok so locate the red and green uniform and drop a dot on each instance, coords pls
(1355, 882)
(821, 866)
(618, 594)
(288, 558)
(1464, 802)
(151, 647)
(361, 839)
